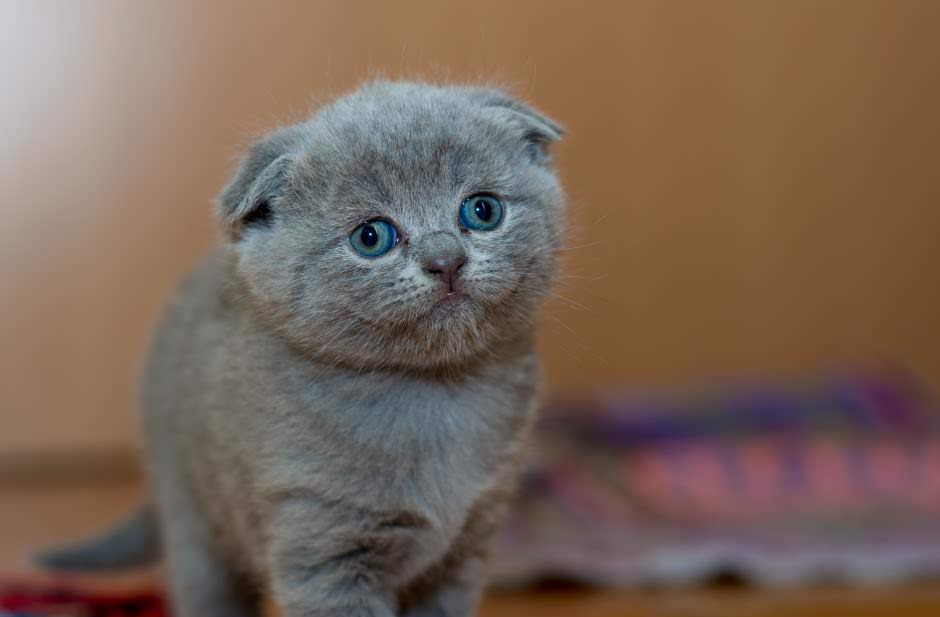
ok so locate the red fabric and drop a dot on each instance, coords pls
(51, 600)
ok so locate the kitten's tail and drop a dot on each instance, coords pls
(133, 542)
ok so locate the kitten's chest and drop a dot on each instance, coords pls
(423, 445)
(456, 451)
(442, 446)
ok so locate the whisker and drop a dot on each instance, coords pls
(566, 249)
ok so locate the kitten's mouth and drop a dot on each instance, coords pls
(449, 303)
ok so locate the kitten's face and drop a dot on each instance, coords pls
(414, 227)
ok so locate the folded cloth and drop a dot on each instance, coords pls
(835, 479)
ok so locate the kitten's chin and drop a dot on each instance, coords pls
(450, 305)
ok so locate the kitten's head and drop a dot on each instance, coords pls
(402, 225)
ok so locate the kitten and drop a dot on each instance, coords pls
(335, 403)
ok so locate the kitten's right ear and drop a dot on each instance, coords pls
(261, 177)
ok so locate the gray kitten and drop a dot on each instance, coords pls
(335, 403)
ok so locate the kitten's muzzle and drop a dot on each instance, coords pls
(442, 256)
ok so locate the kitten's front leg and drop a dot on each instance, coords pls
(458, 596)
(327, 563)
(453, 588)
(201, 582)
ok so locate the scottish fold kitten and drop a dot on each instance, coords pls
(335, 403)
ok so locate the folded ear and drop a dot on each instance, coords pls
(261, 177)
(539, 131)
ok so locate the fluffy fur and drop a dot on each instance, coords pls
(333, 429)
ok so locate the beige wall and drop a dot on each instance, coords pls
(755, 185)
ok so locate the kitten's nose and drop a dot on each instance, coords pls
(442, 255)
(447, 269)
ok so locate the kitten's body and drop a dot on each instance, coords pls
(409, 467)
(340, 431)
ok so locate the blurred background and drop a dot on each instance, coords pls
(754, 191)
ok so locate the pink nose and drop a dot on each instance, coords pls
(446, 268)
(441, 254)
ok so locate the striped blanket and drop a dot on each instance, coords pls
(836, 479)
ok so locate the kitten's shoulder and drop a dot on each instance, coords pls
(212, 284)
(205, 300)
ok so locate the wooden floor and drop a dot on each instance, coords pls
(33, 517)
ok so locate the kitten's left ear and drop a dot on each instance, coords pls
(539, 131)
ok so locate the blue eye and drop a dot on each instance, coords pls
(481, 212)
(374, 239)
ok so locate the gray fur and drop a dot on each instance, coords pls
(316, 425)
